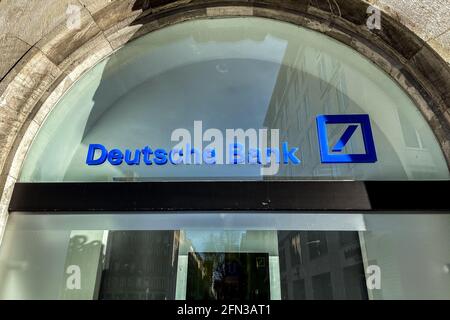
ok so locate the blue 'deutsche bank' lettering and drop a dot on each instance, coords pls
(98, 154)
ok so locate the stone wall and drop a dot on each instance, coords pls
(40, 57)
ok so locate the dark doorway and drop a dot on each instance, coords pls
(228, 276)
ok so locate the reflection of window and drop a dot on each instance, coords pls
(346, 238)
(410, 134)
(228, 276)
(299, 290)
(355, 283)
(148, 271)
(284, 289)
(317, 244)
(322, 289)
(282, 260)
(295, 250)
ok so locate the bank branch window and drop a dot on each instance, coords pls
(240, 99)
(225, 256)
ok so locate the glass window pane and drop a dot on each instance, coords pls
(149, 268)
(182, 87)
(129, 256)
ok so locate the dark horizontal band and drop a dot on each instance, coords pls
(232, 196)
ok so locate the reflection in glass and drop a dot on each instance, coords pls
(321, 265)
(228, 276)
(239, 73)
(140, 265)
(411, 251)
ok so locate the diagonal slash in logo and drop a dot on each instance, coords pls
(342, 142)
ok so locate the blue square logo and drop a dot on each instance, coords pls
(334, 154)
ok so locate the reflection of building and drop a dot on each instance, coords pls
(140, 265)
(309, 83)
(321, 265)
(313, 82)
(229, 276)
(200, 270)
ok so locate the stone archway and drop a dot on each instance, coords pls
(42, 56)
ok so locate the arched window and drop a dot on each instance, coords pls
(204, 78)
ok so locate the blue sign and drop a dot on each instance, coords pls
(98, 154)
(334, 154)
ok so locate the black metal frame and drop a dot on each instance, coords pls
(298, 196)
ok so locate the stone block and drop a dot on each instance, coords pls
(441, 45)
(428, 19)
(398, 37)
(29, 20)
(117, 15)
(63, 43)
(9, 127)
(20, 150)
(30, 83)
(351, 10)
(434, 70)
(11, 50)
(3, 220)
(94, 6)
(7, 190)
